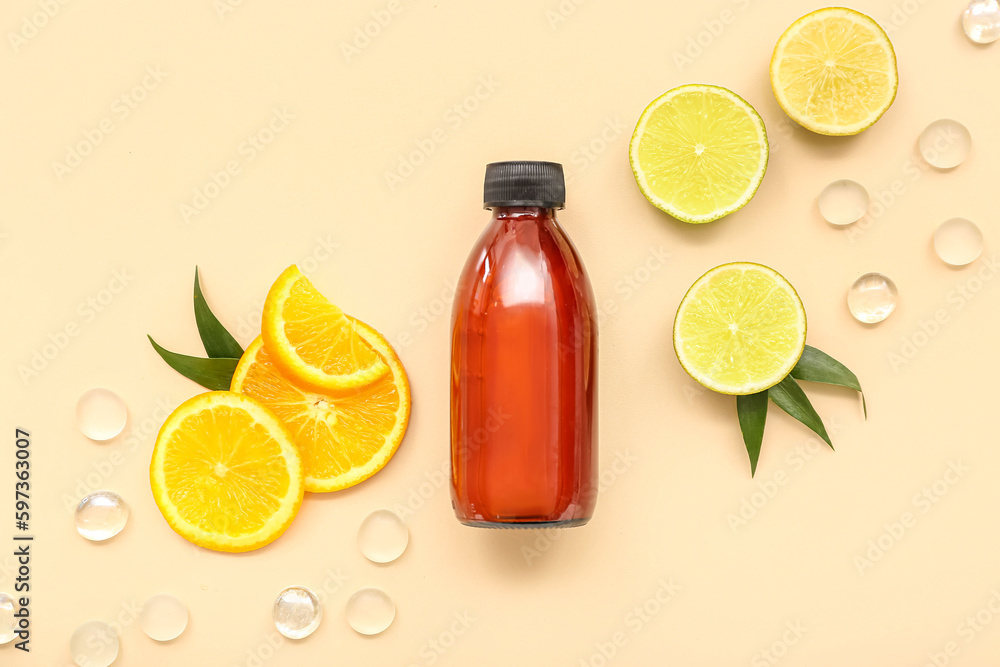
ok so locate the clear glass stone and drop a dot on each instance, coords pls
(945, 143)
(981, 21)
(370, 611)
(297, 612)
(101, 414)
(843, 202)
(872, 298)
(8, 624)
(958, 241)
(163, 618)
(383, 537)
(101, 515)
(94, 644)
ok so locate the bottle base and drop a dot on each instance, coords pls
(565, 523)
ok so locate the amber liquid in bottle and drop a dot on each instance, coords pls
(523, 377)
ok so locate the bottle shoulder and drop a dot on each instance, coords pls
(534, 259)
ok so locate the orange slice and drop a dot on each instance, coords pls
(312, 340)
(345, 437)
(225, 473)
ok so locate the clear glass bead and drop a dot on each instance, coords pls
(163, 618)
(101, 515)
(297, 612)
(382, 537)
(981, 21)
(370, 611)
(101, 414)
(872, 298)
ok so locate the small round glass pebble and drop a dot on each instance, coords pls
(981, 21)
(101, 414)
(297, 612)
(94, 644)
(843, 202)
(163, 618)
(945, 143)
(872, 298)
(101, 515)
(8, 623)
(383, 536)
(370, 611)
(958, 241)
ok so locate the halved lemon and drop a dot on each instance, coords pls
(345, 437)
(312, 340)
(740, 328)
(834, 71)
(225, 472)
(699, 152)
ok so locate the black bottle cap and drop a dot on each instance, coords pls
(524, 183)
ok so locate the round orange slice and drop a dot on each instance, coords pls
(345, 437)
(312, 340)
(225, 473)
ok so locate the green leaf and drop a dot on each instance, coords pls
(218, 342)
(752, 412)
(817, 366)
(788, 396)
(215, 374)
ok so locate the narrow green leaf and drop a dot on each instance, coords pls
(218, 342)
(751, 410)
(818, 366)
(788, 396)
(215, 374)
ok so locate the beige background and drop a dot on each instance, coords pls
(555, 81)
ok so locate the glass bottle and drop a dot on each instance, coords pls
(524, 363)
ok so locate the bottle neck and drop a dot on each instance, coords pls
(514, 213)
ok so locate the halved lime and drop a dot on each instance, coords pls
(699, 152)
(740, 328)
(834, 71)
